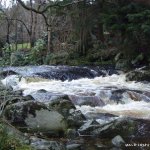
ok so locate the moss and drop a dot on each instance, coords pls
(8, 142)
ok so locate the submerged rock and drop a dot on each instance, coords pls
(118, 141)
(45, 96)
(34, 117)
(86, 100)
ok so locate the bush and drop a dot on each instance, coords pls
(36, 56)
(57, 58)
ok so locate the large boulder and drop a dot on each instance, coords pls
(7, 96)
(64, 106)
(138, 75)
(68, 73)
(34, 117)
(125, 127)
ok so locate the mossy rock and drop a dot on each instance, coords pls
(34, 116)
(138, 75)
(125, 127)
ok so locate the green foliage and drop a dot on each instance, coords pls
(7, 142)
(92, 29)
(56, 58)
(6, 52)
(20, 46)
(36, 54)
(129, 23)
(7, 49)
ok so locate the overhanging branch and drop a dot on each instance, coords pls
(56, 4)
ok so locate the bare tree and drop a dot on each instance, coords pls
(42, 7)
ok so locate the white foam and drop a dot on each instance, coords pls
(133, 109)
(81, 86)
(76, 86)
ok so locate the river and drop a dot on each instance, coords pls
(103, 97)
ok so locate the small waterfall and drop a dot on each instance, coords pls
(109, 94)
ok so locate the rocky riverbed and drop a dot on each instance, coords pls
(75, 108)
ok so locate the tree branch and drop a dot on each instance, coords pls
(57, 4)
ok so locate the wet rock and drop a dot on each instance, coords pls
(64, 106)
(71, 133)
(89, 126)
(105, 70)
(139, 96)
(101, 146)
(86, 100)
(46, 97)
(8, 96)
(122, 96)
(11, 81)
(61, 72)
(138, 75)
(113, 96)
(41, 144)
(118, 141)
(73, 147)
(117, 96)
(104, 117)
(34, 117)
(123, 127)
(75, 119)
(3, 74)
(116, 148)
(68, 73)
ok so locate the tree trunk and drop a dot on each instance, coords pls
(16, 36)
(31, 26)
(101, 33)
(49, 42)
(32, 41)
(34, 25)
(7, 36)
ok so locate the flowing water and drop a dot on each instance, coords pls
(109, 94)
(100, 94)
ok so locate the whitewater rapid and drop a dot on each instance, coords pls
(100, 87)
